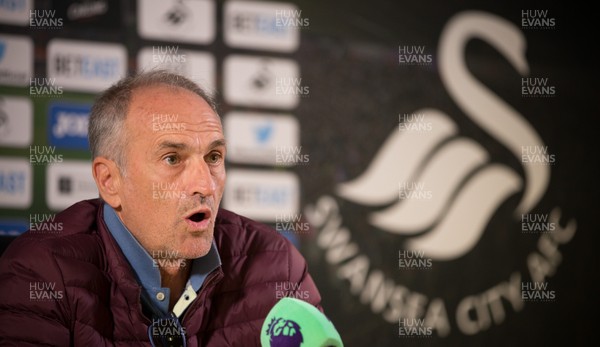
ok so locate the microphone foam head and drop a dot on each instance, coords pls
(296, 323)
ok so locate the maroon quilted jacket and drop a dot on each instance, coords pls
(75, 287)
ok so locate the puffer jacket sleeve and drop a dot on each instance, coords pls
(299, 274)
(33, 303)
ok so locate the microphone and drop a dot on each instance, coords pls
(293, 322)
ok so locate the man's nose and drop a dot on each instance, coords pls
(201, 180)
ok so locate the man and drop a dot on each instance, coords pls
(155, 259)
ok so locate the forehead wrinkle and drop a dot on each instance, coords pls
(182, 144)
(147, 100)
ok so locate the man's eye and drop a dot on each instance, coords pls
(171, 159)
(214, 158)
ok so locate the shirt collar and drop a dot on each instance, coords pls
(145, 268)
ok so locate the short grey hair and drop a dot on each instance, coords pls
(107, 116)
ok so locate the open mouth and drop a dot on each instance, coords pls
(197, 217)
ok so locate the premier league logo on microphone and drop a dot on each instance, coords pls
(281, 327)
(284, 333)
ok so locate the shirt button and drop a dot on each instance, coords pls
(160, 296)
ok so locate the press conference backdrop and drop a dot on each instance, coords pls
(433, 161)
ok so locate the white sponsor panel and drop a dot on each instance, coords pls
(254, 138)
(15, 12)
(68, 182)
(177, 21)
(84, 65)
(16, 60)
(255, 81)
(195, 65)
(16, 121)
(261, 25)
(15, 183)
(262, 194)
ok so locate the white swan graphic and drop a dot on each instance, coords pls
(467, 188)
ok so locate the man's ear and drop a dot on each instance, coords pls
(108, 180)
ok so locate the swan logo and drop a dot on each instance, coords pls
(467, 186)
(177, 15)
(438, 190)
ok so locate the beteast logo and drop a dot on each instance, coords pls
(263, 25)
(85, 65)
(262, 194)
(467, 186)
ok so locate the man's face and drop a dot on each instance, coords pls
(175, 173)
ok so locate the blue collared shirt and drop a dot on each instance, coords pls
(148, 273)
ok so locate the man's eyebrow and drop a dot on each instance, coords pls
(171, 145)
(180, 145)
(218, 143)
